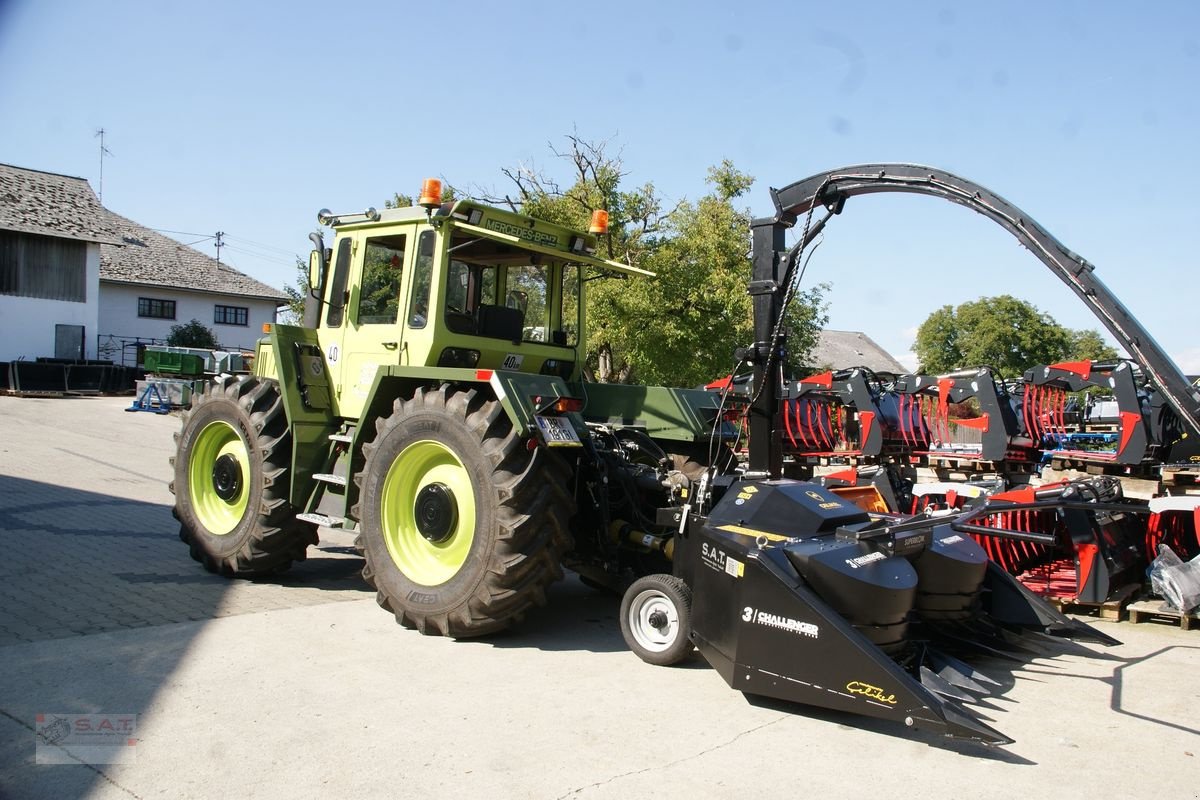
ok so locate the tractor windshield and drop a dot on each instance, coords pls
(502, 291)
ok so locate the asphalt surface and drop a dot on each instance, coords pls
(301, 687)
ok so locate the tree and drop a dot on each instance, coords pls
(1005, 333)
(681, 327)
(1089, 345)
(637, 222)
(297, 292)
(192, 334)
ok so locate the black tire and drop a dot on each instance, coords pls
(656, 619)
(263, 533)
(518, 498)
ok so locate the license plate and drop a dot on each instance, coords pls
(557, 432)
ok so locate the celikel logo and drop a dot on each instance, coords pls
(870, 692)
(821, 501)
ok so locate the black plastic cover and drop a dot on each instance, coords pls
(786, 508)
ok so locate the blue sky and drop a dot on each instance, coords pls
(248, 117)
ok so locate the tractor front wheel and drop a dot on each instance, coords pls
(232, 467)
(462, 524)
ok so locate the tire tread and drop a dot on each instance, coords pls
(534, 509)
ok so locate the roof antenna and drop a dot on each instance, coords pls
(104, 151)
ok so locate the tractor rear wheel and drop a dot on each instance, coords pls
(656, 619)
(462, 524)
(231, 481)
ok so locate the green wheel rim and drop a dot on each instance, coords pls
(419, 466)
(218, 441)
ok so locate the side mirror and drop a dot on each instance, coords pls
(315, 264)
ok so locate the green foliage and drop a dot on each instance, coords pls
(192, 334)
(1002, 332)
(296, 293)
(681, 327)
(1089, 345)
(805, 319)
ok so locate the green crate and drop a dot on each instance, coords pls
(173, 363)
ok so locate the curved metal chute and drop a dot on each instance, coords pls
(830, 189)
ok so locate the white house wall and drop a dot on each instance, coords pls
(119, 314)
(27, 323)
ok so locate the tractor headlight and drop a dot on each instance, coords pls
(458, 357)
(554, 366)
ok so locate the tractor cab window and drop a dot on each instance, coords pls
(468, 287)
(337, 289)
(502, 291)
(379, 295)
(526, 290)
(418, 304)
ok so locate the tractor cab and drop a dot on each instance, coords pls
(458, 285)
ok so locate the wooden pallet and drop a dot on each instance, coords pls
(1176, 475)
(1160, 611)
(1110, 609)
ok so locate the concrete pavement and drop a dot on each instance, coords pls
(300, 687)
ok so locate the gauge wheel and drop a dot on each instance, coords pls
(656, 619)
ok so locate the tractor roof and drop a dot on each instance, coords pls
(479, 219)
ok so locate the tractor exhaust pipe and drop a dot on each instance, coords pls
(312, 300)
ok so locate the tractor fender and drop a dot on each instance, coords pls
(521, 395)
(681, 415)
(291, 356)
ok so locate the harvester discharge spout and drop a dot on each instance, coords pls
(802, 596)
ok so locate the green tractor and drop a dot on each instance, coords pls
(433, 402)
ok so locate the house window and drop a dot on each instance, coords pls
(156, 309)
(232, 315)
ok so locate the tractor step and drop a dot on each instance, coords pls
(322, 520)
(328, 477)
(341, 437)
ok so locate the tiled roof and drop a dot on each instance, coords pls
(846, 349)
(151, 258)
(49, 204)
